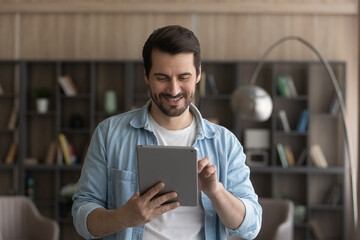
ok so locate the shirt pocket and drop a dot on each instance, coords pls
(122, 186)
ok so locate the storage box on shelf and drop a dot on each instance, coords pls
(105, 88)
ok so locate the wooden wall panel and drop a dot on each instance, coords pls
(248, 36)
(84, 36)
(7, 36)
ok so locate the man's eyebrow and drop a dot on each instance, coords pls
(165, 75)
(161, 74)
(185, 73)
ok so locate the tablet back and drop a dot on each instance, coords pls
(174, 165)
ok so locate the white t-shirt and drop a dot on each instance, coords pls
(183, 222)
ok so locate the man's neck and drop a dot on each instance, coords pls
(171, 123)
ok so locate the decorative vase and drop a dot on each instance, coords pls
(110, 102)
(42, 105)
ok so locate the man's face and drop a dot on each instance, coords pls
(172, 80)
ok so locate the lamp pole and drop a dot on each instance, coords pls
(340, 98)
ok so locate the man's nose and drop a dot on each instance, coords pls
(173, 87)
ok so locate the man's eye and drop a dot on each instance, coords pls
(161, 78)
(184, 78)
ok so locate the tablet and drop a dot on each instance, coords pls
(175, 166)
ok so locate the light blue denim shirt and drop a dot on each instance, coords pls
(109, 175)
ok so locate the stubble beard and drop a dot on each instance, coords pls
(173, 111)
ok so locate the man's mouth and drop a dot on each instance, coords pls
(173, 99)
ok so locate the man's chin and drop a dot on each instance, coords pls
(173, 111)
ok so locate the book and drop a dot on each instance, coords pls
(51, 153)
(59, 154)
(334, 196)
(291, 86)
(282, 155)
(289, 155)
(283, 86)
(13, 118)
(284, 120)
(318, 156)
(31, 161)
(72, 154)
(211, 84)
(316, 230)
(1, 90)
(67, 85)
(280, 86)
(303, 121)
(302, 157)
(65, 149)
(11, 155)
(334, 105)
(321, 156)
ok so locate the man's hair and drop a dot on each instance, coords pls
(172, 39)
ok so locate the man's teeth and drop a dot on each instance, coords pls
(174, 99)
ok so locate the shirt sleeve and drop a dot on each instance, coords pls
(91, 190)
(239, 184)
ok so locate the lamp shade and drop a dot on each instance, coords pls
(252, 103)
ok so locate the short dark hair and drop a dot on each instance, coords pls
(172, 39)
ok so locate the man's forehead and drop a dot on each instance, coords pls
(182, 62)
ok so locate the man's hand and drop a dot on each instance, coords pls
(230, 209)
(143, 209)
(208, 182)
(137, 211)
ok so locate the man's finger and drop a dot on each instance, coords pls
(166, 207)
(153, 191)
(202, 163)
(158, 201)
(210, 171)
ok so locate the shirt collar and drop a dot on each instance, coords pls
(141, 120)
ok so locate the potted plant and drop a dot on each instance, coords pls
(42, 96)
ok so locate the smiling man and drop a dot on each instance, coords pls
(107, 203)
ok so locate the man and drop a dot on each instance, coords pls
(107, 202)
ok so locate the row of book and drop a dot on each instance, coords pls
(286, 155)
(66, 83)
(287, 159)
(59, 152)
(301, 124)
(67, 152)
(286, 86)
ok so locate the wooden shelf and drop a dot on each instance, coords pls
(304, 184)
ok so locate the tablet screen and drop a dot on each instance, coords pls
(176, 166)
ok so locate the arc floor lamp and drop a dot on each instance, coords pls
(252, 102)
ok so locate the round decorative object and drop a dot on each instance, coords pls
(252, 103)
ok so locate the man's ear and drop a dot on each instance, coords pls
(199, 75)
(146, 79)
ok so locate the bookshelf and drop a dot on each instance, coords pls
(305, 183)
(77, 116)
